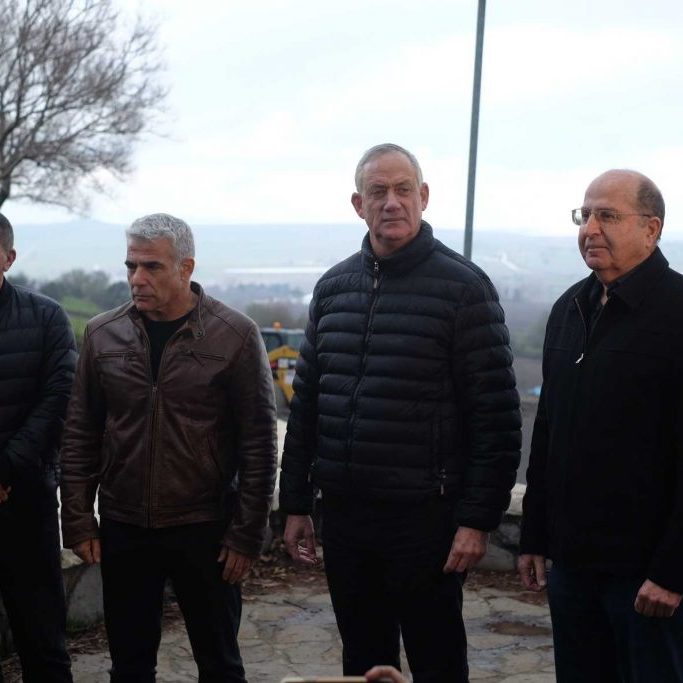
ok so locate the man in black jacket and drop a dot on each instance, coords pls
(37, 361)
(406, 416)
(604, 497)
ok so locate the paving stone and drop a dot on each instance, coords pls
(475, 608)
(302, 633)
(272, 612)
(256, 651)
(508, 604)
(529, 678)
(520, 661)
(490, 641)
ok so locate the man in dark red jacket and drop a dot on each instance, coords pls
(604, 493)
(172, 423)
(37, 360)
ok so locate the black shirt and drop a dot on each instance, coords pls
(159, 332)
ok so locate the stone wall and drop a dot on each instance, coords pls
(83, 589)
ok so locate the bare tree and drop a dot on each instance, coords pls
(77, 89)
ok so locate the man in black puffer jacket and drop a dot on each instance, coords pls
(406, 416)
(37, 362)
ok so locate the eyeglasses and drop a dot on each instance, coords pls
(603, 216)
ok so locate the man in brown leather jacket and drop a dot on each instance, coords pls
(172, 424)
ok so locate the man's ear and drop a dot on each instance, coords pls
(187, 268)
(357, 201)
(654, 229)
(11, 256)
(424, 195)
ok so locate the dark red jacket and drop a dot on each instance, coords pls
(198, 445)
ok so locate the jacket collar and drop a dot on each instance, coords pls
(194, 323)
(5, 292)
(632, 287)
(406, 258)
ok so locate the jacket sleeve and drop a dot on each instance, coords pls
(21, 459)
(82, 451)
(666, 565)
(534, 534)
(253, 402)
(296, 489)
(485, 380)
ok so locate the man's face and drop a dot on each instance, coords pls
(391, 202)
(7, 257)
(612, 250)
(159, 285)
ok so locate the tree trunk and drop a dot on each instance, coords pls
(4, 190)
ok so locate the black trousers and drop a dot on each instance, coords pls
(33, 591)
(135, 565)
(384, 566)
(600, 638)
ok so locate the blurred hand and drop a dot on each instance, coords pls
(469, 546)
(385, 673)
(236, 565)
(300, 539)
(4, 493)
(654, 601)
(531, 570)
(89, 551)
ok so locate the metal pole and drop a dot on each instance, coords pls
(474, 130)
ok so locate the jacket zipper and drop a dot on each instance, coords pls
(585, 331)
(366, 341)
(155, 413)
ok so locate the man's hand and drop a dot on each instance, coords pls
(531, 569)
(300, 539)
(654, 601)
(89, 551)
(236, 564)
(4, 493)
(385, 673)
(469, 546)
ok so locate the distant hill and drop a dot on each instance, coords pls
(523, 267)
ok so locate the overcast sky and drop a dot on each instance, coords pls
(273, 101)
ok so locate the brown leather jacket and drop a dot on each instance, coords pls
(199, 445)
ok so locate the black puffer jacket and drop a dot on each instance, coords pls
(404, 387)
(37, 362)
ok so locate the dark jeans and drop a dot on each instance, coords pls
(135, 565)
(600, 638)
(384, 568)
(33, 592)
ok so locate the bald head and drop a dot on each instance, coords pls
(621, 221)
(645, 195)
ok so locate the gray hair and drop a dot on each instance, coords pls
(380, 150)
(6, 234)
(650, 199)
(158, 225)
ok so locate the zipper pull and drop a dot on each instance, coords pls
(442, 477)
(376, 280)
(579, 359)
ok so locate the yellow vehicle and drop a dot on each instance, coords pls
(282, 346)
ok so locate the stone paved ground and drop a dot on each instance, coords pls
(288, 628)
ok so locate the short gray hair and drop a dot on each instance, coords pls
(380, 150)
(6, 234)
(158, 225)
(650, 199)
